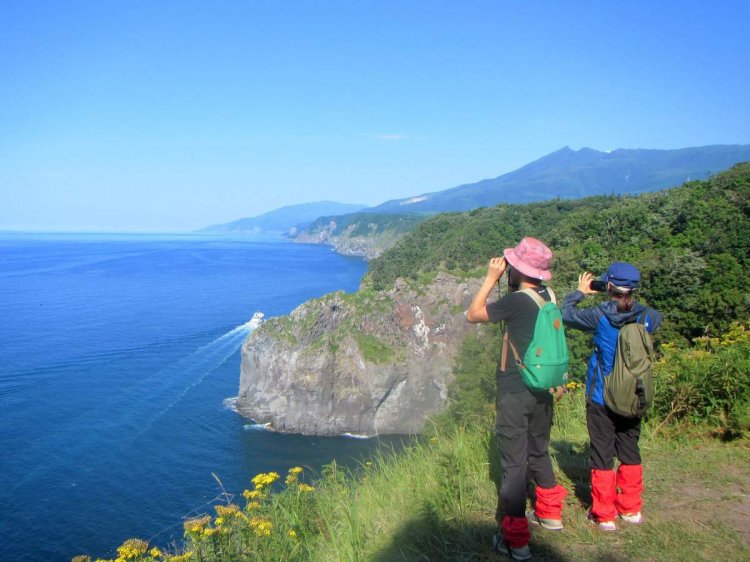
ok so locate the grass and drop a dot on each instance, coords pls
(373, 349)
(436, 499)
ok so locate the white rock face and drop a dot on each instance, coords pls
(370, 363)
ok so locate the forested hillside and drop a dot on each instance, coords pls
(692, 244)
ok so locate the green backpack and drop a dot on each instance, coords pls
(545, 363)
(629, 388)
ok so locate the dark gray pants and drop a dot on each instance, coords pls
(523, 425)
(612, 435)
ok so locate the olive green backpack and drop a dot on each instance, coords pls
(629, 388)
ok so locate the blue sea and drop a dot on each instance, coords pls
(117, 356)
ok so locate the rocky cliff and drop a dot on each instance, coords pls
(358, 234)
(345, 243)
(366, 363)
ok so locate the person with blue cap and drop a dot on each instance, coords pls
(610, 434)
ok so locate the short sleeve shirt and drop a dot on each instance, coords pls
(519, 312)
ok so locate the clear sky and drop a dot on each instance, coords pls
(126, 115)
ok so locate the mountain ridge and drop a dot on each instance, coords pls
(282, 219)
(571, 174)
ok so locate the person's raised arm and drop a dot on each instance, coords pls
(587, 318)
(478, 309)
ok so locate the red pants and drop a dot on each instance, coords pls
(606, 501)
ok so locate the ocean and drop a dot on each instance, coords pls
(117, 356)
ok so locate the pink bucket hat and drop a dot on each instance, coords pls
(531, 257)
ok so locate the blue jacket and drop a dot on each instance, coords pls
(604, 322)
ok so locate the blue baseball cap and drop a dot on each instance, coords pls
(624, 276)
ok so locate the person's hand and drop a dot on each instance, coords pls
(495, 269)
(557, 392)
(584, 283)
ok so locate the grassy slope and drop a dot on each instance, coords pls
(436, 501)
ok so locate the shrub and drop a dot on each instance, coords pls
(708, 383)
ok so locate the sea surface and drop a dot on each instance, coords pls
(117, 356)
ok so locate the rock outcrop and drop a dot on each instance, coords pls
(365, 363)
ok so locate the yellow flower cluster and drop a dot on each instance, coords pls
(209, 532)
(265, 479)
(293, 475)
(262, 526)
(132, 549)
(251, 495)
(196, 525)
(226, 510)
(573, 385)
(137, 549)
(305, 488)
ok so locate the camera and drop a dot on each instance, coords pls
(598, 285)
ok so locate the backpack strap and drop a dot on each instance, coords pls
(504, 356)
(539, 300)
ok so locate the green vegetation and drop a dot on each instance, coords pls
(692, 244)
(373, 349)
(367, 224)
(707, 384)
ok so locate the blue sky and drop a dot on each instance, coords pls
(168, 116)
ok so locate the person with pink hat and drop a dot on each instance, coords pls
(524, 417)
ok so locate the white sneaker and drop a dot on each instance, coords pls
(608, 526)
(632, 518)
(546, 523)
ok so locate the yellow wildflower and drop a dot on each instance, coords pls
(219, 521)
(262, 479)
(295, 470)
(253, 505)
(291, 479)
(209, 532)
(261, 526)
(224, 510)
(251, 495)
(305, 488)
(81, 558)
(132, 548)
(196, 525)
(293, 534)
(155, 553)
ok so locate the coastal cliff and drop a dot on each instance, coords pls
(345, 243)
(358, 234)
(365, 363)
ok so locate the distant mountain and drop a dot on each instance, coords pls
(283, 219)
(572, 174)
